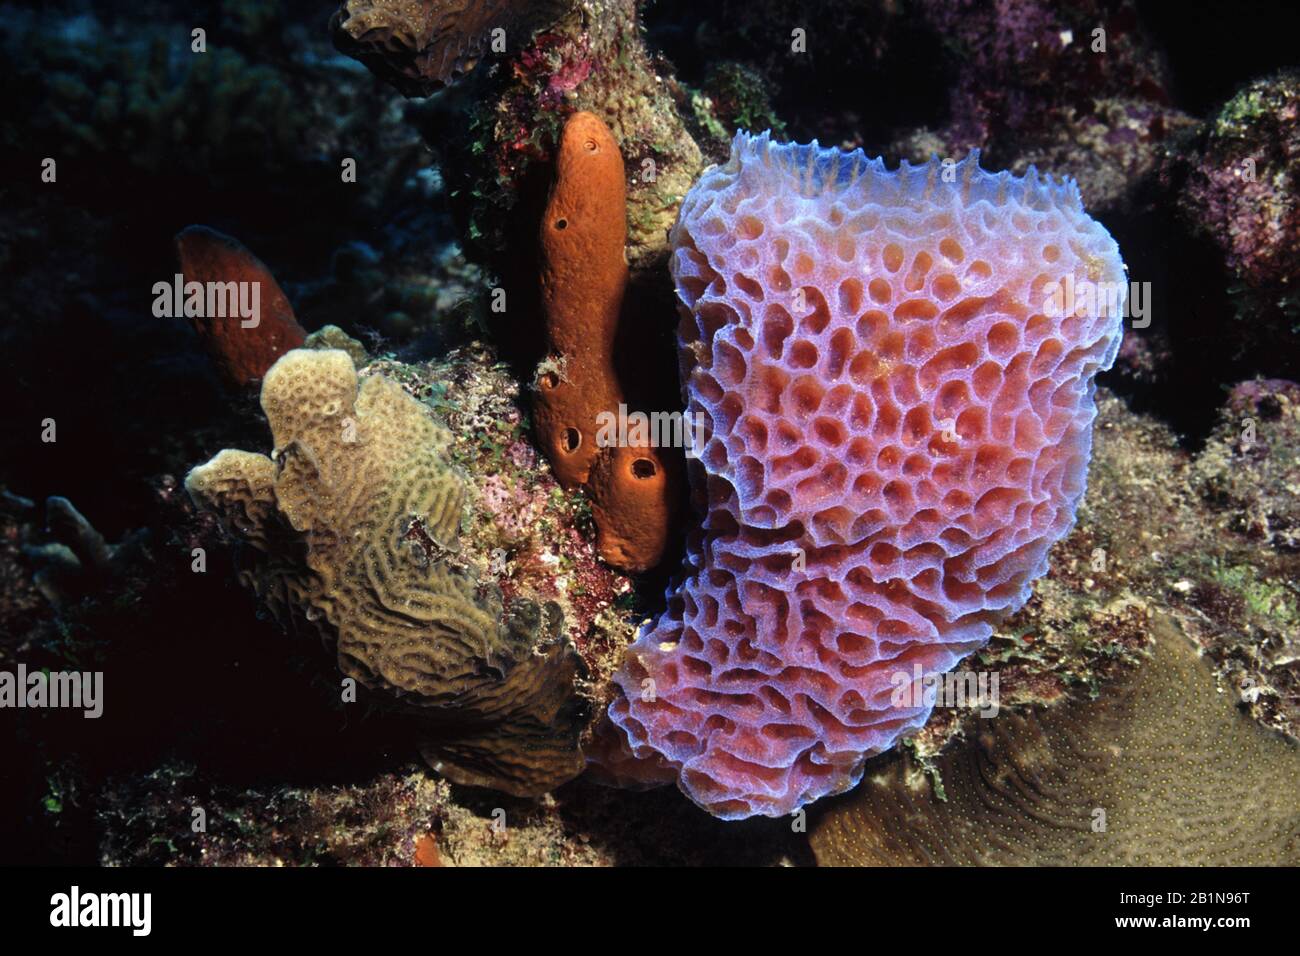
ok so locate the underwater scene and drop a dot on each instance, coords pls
(625, 433)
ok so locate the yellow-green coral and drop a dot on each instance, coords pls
(1160, 770)
(355, 522)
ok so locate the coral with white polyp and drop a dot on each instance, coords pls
(896, 421)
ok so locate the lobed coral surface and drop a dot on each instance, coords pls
(896, 426)
(353, 525)
(421, 46)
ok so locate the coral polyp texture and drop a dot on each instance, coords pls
(421, 46)
(352, 530)
(1184, 777)
(895, 406)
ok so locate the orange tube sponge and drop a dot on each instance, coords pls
(633, 486)
(241, 353)
(584, 274)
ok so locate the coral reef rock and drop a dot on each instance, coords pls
(596, 61)
(1034, 86)
(896, 412)
(1249, 465)
(422, 45)
(1159, 770)
(1241, 186)
(633, 486)
(353, 524)
(78, 559)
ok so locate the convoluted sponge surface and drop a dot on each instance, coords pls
(895, 406)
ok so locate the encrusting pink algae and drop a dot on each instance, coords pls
(892, 372)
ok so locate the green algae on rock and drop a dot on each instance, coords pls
(732, 96)
(353, 528)
(1161, 769)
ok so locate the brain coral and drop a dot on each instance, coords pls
(1183, 777)
(352, 525)
(894, 429)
